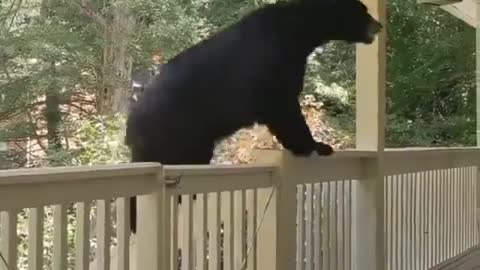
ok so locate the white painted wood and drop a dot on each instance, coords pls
(199, 232)
(123, 233)
(417, 235)
(237, 229)
(75, 173)
(214, 231)
(342, 227)
(451, 177)
(317, 231)
(266, 236)
(82, 236)
(190, 253)
(459, 212)
(66, 185)
(368, 252)
(227, 213)
(411, 235)
(8, 235)
(333, 225)
(471, 209)
(403, 221)
(175, 233)
(326, 225)
(308, 227)
(103, 234)
(432, 210)
(251, 229)
(422, 216)
(151, 230)
(60, 248)
(285, 214)
(232, 230)
(35, 238)
(204, 239)
(300, 227)
(438, 209)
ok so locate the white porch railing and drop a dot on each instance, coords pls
(430, 217)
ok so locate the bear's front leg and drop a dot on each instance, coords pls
(285, 120)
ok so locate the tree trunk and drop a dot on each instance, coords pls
(117, 62)
(53, 114)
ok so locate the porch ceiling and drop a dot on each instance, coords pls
(462, 9)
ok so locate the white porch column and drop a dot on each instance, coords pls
(368, 248)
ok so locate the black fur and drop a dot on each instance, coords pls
(251, 72)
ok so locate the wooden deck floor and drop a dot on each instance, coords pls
(469, 262)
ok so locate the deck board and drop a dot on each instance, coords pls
(470, 262)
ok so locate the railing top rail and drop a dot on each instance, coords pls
(404, 150)
(72, 173)
(189, 179)
(28, 188)
(218, 170)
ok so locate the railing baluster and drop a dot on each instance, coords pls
(252, 225)
(300, 227)
(214, 259)
(232, 231)
(239, 211)
(60, 248)
(329, 222)
(82, 236)
(335, 225)
(349, 227)
(411, 235)
(198, 232)
(123, 233)
(35, 238)
(325, 225)
(450, 211)
(103, 235)
(176, 231)
(8, 235)
(402, 222)
(397, 220)
(317, 244)
(191, 213)
(308, 227)
(185, 212)
(227, 214)
(341, 224)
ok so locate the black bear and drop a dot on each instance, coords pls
(251, 72)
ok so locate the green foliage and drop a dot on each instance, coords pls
(97, 141)
(431, 77)
(102, 141)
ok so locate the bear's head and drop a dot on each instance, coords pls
(351, 22)
(347, 20)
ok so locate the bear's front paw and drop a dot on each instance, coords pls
(323, 149)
